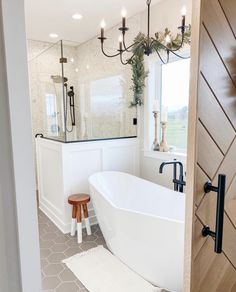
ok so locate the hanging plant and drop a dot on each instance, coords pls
(139, 74)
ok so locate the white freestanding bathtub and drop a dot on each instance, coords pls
(143, 225)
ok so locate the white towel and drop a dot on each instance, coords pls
(100, 271)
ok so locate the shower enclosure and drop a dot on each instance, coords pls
(77, 95)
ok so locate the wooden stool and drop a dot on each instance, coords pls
(79, 202)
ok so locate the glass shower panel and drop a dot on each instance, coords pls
(47, 89)
(71, 110)
(102, 95)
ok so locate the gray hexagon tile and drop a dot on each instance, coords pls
(67, 287)
(67, 275)
(56, 246)
(59, 247)
(49, 283)
(56, 257)
(72, 251)
(44, 252)
(53, 269)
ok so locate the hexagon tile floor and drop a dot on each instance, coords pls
(56, 246)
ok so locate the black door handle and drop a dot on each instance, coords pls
(218, 234)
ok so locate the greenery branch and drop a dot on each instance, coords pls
(139, 74)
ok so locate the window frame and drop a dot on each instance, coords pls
(153, 92)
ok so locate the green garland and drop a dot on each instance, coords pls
(139, 74)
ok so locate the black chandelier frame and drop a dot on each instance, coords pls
(147, 44)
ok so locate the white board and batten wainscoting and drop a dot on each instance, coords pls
(64, 168)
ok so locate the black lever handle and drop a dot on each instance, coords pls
(218, 234)
(39, 135)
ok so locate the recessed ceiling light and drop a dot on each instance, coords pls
(77, 16)
(53, 35)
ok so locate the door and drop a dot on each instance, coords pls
(212, 148)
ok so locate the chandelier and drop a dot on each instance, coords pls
(148, 44)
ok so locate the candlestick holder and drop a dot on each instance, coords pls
(163, 145)
(156, 145)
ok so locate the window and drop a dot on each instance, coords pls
(174, 96)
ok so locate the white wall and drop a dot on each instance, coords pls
(19, 245)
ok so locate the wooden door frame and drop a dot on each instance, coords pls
(19, 246)
(192, 134)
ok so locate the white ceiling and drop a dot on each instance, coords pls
(55, 16)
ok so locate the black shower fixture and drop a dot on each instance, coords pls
(71, 95)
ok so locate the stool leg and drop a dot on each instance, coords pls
(79, 224)
(73, 221)
(86, 219)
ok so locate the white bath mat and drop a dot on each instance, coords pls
(100, 271)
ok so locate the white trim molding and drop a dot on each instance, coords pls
(165, 155)
(19, 246)
(63, 169)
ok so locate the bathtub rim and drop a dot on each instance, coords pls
(126, 209)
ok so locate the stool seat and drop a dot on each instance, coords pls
(79, 202)
(79, 199)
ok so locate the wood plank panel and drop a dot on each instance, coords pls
(217, 77)
(227, 166)
(231, 192)
(199, 240)
(215, 144)
(233, 288)
(217, 26)
(229, 9)
(230, 209)
(212, 270)
(201, 179)
(219, 128)
(207, 150)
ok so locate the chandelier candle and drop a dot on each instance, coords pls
(102, 37)
(120, 42)
(184, 11)
(123, 14)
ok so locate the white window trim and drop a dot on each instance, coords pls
(165, 155)
(153, 92)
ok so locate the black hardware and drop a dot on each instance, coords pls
(39, 135)
(135, 121)
(63, 60)
(71, 95)
(218, 234)
(178, 183)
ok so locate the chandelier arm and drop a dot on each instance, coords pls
(109, 56)
(169, 49)
(181, 57)
(161, 44)
(180, 46)
(127, 61)
(127, 49)
(162, 60)
(121, 60)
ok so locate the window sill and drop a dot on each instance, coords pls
(165, 155)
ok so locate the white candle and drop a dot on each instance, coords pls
(156, 107)
(164, 114)
(184, 11)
